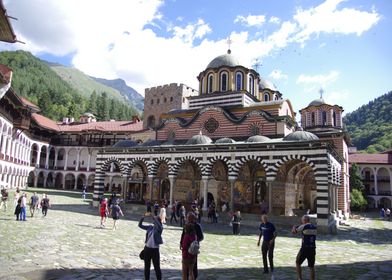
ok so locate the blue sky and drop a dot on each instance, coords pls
(342, 46)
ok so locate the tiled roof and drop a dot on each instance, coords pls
(45, 122)
(6, 32)
(371, 158)
(28, 103)
(109, 126)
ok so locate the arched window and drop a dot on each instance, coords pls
(324, 117)
(266, 97)
(313, 119)
(151, 122)
(251, 85)
(210, 83)
(223, 81)
(276, 97)
(334, 118)
(238, 81)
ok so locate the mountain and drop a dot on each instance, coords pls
(69, 94)
(131, 94)
(370, 126)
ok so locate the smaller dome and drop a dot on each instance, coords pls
(224, 60)
(301, 136)
(317, 102)
(125, 144)
(257, 139)
(265, 84)
(225, 140)
(199, 140)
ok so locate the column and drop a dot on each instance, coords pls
(63, 183)
(77, 159)
(269, 186)
(110, 184)
(375, 181)
(205, 192)
(45, 179)
(3, 144)
(56, 154)
(8, 151)
(88, 161)
(150, 181)
(172, 180)
(12, 150)
(37, 164)
(47, 158)
(232, 182)
(76, 183)
(35, 181)
(66, 159)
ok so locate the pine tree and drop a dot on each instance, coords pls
(104, 107)
(92, 103)
(113, 109)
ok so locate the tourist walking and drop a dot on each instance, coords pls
(188, 259)
(182, 215)
(34, 202)
(151, 249)
(4, 199)
(45, 205)
(388, 214)
(268, 232)
(156, 208)
(148, 206)
(162, 213)
(84, 192)
(308, 247)
(173, 214)
(236, 222)
(382, 213)
(116, 213)
(104, 211)
(18, 209)
(23, 206)
(191, 219)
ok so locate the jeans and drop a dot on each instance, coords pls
(236, 228)
(44, 210)
(23, 213)
(173, 217)
(266, 248)
(152, 254)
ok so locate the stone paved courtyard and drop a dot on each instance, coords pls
(68, 244)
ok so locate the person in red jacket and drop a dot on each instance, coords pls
(188, 260)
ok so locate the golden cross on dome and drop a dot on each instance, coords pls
(229, 42)
(321, 91)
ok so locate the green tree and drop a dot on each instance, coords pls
(358, 202)
(356, 178)
(113, 108)
(103, 107)
(92, 103)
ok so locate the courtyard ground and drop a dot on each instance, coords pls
(69, 244)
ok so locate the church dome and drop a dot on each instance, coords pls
(301, 136)
(224, 141)
(125, 144)
(265, 84)
(317, 102)
(224, 60)
(257, 139)
(199, 140)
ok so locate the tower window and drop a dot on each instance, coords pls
(251, 85)
(324, 118)
(334, 118)
(266, 97)
(313, 119)
(164, 100)
(238, 81)
(223, 81)
(152, 102)
(158, 101)
(210, 83)
(171, 98)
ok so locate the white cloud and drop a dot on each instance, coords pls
(118, 40)
(327, 18)
(251, 20)
(336, 97)
(274, 20)
(318, 80)
(277, 74)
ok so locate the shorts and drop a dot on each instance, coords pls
(307, 253)
(189, 262)
(103, 215)
(116, 218)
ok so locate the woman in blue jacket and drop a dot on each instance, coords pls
(151, 248)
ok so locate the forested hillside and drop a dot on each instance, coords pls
(35, 80)
(370, 126)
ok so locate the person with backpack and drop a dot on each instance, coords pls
(190, 249)
(116, 213)
(4, 199)
(191, 219)
(151, 249)
(308, 247)
(45, 204)
(18, 209)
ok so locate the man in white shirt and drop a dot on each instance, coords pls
(23, 205)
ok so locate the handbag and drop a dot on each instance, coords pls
(141, 255)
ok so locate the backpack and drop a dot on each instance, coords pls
(194, 248)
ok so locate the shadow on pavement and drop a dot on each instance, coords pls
(356, 270)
